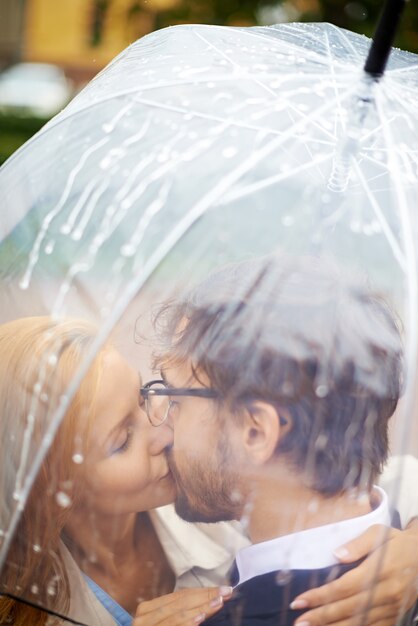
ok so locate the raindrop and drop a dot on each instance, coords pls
(34, 589)
(321, 442)
(236, 496)
(52, 360)
(355, 226)
(51, 591)
(321, 391)
(78, 458)
(37, 389)
(127, 250)
(313, 506)
(368, 230)
(287, 220)
(63, 499)
(287, 388)
(36, 548)
(379, 156)
(283, 577)
(49, 248)
(230, 152)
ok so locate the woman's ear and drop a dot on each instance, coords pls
(263, 428)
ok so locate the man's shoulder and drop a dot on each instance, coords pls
(265, 599)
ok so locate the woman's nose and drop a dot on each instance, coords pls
(160, 438)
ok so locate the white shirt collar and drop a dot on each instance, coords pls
(206, 546)
(308, 549)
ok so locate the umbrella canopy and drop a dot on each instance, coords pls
(198, 146)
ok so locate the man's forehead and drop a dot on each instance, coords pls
(183, 374)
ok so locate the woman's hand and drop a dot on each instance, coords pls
(381, 589)
(182, 608)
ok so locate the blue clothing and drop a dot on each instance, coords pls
(121, 617)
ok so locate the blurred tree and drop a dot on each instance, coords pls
(356, 15)
(98, 16)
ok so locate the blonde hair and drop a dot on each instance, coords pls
(38, 359)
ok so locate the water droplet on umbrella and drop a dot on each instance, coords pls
(63, 499)
(78, 458)
(287, 220)
(283, 577)
(321, 391)
(52, 360)
(313, 505)
(51, 590)
(34, 589)
(36, 548)
(321, 442)
(49, 248)
(229, 152)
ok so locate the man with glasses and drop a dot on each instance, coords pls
(279, 378)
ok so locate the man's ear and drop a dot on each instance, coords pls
(263, 429)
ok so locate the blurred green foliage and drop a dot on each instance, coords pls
(15, 130)
(357, 15)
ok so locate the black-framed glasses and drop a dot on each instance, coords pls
(157, 396)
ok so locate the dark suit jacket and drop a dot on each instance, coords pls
(264, 600)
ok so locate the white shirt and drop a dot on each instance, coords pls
(399, 480)
(200, 555)
(308, 549)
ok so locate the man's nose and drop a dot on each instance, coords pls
(160, 438)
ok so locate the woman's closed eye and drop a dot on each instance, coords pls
(126, 443)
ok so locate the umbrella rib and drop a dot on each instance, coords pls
(232, 122)
(271, 180)
(342, 34)
(34, 254)
(255, 33)
(257, 80)
(398, 70)
(192, 81)
(397, 252)
(211, 45)
(331, 65)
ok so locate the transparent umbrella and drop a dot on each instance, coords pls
(196, 147)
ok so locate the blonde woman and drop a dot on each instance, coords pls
(93, 543)
(88, 506)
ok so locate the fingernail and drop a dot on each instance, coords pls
(341, 553)
(225, 591)
(298, 604)
(216, 602)
(200, 618)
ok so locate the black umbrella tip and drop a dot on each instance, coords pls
(384, 37)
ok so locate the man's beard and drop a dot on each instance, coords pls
(206, 494)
